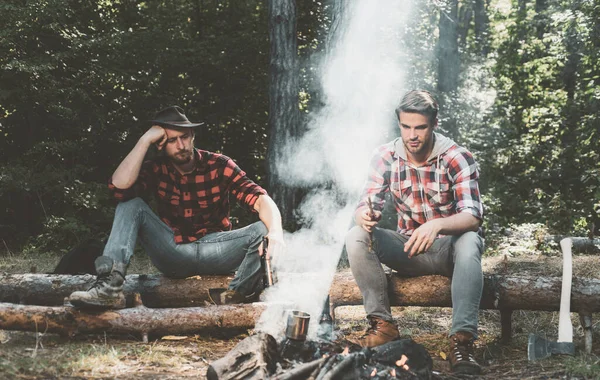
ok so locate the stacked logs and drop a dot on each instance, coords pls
(167, 302)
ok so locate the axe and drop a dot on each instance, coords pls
(540, 348)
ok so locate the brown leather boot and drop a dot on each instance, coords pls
(380, 332)
(461, 355)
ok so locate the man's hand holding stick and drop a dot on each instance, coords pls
(372, 217)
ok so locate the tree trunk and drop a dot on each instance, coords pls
(500, 292)
(465, 16)
(155, 290)
(448, 65)
(283, 103)
(448, 58)
(140, 320)
(482, 27)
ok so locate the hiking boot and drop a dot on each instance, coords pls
(222, 296)
(380, 332)
(461, 355)
(107, 291)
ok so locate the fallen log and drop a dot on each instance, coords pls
(155, 290)
(499, 292)
(580, 244)
(138, 320)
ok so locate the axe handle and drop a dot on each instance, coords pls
(565, 327)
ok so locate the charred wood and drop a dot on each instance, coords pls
(327, 367)
(301, 371)
(253, 358)
(348, 367)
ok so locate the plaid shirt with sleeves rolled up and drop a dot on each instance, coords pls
(446, 185)
(197, 203)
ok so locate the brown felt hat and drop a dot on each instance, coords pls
(173, 117)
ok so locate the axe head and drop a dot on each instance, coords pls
(540, 348)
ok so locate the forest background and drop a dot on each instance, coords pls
(518, 83)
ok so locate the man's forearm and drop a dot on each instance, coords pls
(458, 224)
(269, 214)
(128, 170)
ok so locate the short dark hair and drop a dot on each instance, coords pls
(421, 102)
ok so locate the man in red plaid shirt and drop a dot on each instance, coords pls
(191, 235)
(433, 183)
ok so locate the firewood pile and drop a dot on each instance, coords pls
(261, 357)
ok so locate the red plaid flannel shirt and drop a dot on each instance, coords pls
(197, 203)
(446, 185)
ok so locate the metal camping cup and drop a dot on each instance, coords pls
(297, 325)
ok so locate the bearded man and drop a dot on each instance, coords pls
(192, 233)
(434, 187)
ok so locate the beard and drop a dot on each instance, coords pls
(421, 148)
(182, 157)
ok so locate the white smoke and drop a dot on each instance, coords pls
(362, 81)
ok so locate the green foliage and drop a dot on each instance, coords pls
(543, 166)
(78, 79)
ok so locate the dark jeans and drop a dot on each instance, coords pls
(216, 253)
(458, 257)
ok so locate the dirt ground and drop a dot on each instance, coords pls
(25, 355)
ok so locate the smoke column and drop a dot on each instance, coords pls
(362, 81)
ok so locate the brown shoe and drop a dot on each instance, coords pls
(461, 355)
(380, 332)
(222, 296)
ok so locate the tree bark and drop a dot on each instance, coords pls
(155, 290)
(499, 292)
(141, 320)
(284, 114)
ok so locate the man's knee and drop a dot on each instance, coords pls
(132, 204)
(357, 240)
(259, 230)
(469, 244)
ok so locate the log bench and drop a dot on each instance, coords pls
(505, 293)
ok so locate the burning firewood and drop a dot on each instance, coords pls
(253, 358)
(302, 371)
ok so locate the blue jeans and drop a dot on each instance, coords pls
(458, 257)
(215, 253)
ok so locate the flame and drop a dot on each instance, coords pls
(402, 361)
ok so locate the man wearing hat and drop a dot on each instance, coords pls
(191, 235)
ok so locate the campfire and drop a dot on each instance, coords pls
(260, 356)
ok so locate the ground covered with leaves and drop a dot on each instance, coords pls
(27, 355)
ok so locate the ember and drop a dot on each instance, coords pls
(323, 360)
